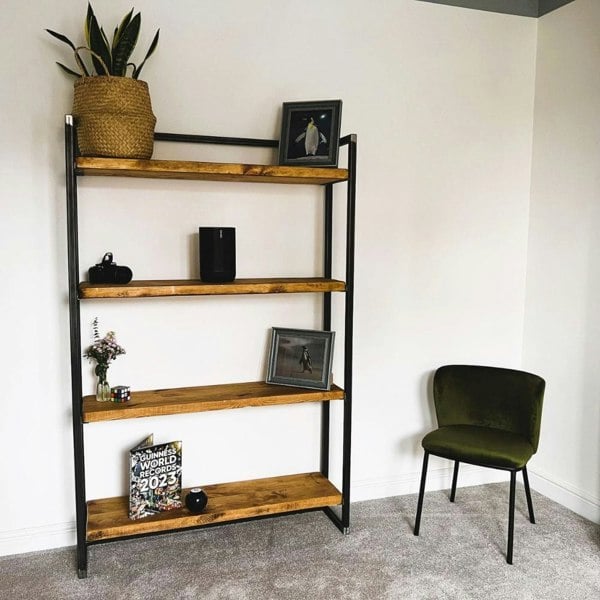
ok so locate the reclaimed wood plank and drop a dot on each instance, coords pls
(153, 403)
(208, 171)
(108, 518)
(195, 287)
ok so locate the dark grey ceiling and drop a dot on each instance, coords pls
(524, 8)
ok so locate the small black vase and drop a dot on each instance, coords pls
(196, 500)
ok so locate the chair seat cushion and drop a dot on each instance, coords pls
(479, 445)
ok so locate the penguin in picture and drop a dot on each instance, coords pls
(306, 360)
(312, 138)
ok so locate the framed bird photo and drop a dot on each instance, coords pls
(301, 358)
(310, 133)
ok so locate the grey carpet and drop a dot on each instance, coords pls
(460, 554)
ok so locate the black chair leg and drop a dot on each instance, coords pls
(511, 517)
(528, 494)
(454, 479)
(421, 493)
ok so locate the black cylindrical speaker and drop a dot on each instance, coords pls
(217, 254)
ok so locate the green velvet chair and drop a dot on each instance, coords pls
(487, 416)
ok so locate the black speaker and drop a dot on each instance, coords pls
(217, 254)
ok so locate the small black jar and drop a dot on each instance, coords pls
(196, 500)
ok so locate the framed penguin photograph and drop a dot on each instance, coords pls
(301, 358)
(310, 133)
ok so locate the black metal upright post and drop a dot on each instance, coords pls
(343, 523)
(327, 272)
(75, 333)
(349, 330)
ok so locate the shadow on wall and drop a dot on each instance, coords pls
(412, 444)
(590, 353)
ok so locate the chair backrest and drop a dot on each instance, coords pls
(490, 397)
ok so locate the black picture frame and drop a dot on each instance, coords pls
(310, 133)
(301, 358)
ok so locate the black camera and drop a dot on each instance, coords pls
(109, 272)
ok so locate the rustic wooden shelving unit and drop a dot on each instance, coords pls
(101, 520)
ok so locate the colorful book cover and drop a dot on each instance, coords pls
(154, 478)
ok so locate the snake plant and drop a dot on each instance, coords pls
(108, 58)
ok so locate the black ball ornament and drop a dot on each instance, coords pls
(196, 500)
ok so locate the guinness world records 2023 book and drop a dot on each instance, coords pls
(154, 478)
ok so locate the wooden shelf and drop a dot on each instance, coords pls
(195, 287)
(207, 171)
(175, 401)
(108, 518)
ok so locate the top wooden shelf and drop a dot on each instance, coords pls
(207, 171)
(194, 287)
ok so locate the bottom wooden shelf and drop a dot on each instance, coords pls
(108, 518)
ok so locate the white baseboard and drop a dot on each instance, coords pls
(577, 500)
(437, 479)
(46, 537)
(563, 493)
(32, 539)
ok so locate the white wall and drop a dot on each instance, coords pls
(442, 101)
(563, 276)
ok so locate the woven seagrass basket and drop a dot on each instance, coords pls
(114, 117)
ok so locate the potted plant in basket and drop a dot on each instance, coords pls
(111, 104)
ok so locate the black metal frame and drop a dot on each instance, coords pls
(343, 521)
(511, 497)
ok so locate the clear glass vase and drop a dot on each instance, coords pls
(102, 389)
